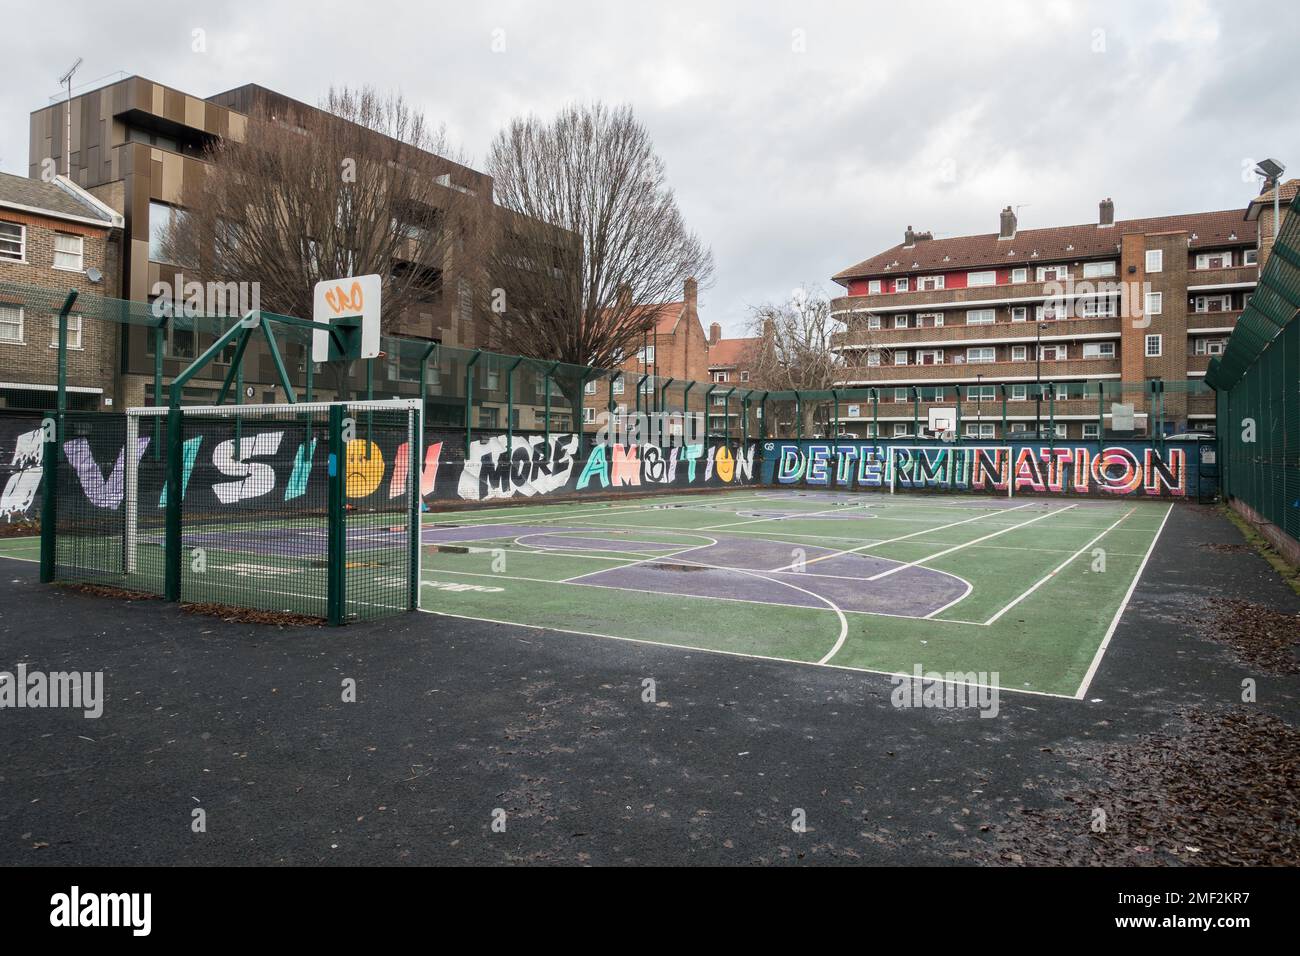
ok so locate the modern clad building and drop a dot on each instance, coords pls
(1059, 322)
(135, 145)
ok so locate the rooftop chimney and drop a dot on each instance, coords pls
(715, 333)
(690, 291)
(909, 238)
(1107, 213)
(1007, 228)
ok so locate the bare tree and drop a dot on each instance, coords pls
(589, 238)
(794, 346)
(361, 185)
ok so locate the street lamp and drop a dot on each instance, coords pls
(1271, 170)
(1038, 380)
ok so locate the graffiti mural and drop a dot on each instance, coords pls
(268, 460)
(1079, 468)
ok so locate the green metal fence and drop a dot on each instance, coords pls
(481, 393)
(199, 529)
(1258, 384)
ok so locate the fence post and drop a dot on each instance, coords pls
(175, 482)
(50, 448)
(335, 569)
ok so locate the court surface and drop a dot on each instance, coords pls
(1029, 590)
(1023, 593)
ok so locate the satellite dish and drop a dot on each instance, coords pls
(94, 275)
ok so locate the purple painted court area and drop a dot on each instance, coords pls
(741, 569)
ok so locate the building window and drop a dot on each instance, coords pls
(1249, 257)
(744, 376)
(646, 356)
(588, 415)
(11, 324)
(901, 395)
(929, 356)
(1155, 260)
(13, 242)
(74, 331)
(1019, 275)
(1214, 260)
(900, 285)
(1053, 311)
(69, 252)
(929, 283)
(589, 388)
(979, 430)
(1094, 350)
(900, 357)
(983, 354)
(1019, 393)
(162, 219)
(900, 430)
(1153, 346)
(618, 385)
(980, 317)
(982, 393)
(1208, 346)
(1213, 303)
(1053, 273)
(719, 400)
(1091, 430)
(1155, 303)
(1098, 308)
(1053, 353)
(1091, 270)
(873, 287)
(900, 321)
(982, 278)
(1019, 353)
(938, 319)
(873, 357)
(492, 380)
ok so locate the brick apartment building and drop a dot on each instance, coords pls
(135, 144)
(730, 367)
(56, 236)
(674, 347)
(1138, 304)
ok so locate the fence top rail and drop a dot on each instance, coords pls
(412, 404)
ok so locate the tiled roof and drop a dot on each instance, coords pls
(1053, 244)
(1265, 198)
(728, 353)
(47, 197)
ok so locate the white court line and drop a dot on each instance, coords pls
(904, 537)
(1058, 569)
(959, 547)
(838, 509)
(1105, 641)
(717, 650)
(699, 597)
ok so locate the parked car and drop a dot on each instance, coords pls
(1191, 436)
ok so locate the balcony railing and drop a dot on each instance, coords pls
(969, 371)
(960, 332)
(1229, 276)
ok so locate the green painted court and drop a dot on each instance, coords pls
(1030, 590)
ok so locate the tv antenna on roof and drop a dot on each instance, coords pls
(66, 79)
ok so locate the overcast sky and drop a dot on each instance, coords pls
(800, 137)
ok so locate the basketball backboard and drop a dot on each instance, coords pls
(351, 307)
